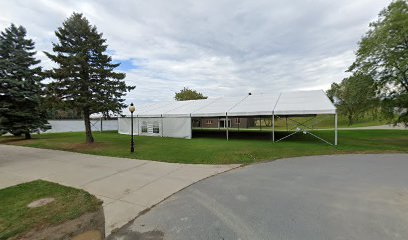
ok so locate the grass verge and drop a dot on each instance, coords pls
(242, 148)
(16, 218)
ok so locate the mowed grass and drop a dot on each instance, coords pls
(212, 148)
(16, 218)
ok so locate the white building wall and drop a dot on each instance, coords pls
(124, 126)
(159, 127)
(177, 127)
(150, 126)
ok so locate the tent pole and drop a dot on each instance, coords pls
(191, 126)
(335, 129)
(138, 129)
(162, 128)
(273, 127)
(226, 120)
(314, 122)
(260, 124)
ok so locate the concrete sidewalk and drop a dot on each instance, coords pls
(126, 186)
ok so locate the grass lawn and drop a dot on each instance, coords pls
(242, 148)
(16, 218)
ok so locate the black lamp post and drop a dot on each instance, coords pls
(132, 143)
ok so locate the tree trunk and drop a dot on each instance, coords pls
(350, 119)
(27, 135)
(88, 131)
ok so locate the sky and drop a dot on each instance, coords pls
(218, 47)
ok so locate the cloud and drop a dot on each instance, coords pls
(219, 47)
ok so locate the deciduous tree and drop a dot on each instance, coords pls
(383, 54)
(188, 94)
(353, 96)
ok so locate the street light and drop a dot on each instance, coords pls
(132, 143)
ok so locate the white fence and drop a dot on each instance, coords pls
(58, 126)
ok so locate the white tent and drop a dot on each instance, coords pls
(173, 119)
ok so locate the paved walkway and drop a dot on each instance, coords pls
(126, 186)
(308, 198)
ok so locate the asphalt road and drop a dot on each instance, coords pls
(326, 197)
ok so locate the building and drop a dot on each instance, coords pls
(235, 122)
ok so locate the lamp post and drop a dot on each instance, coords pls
(132, 143)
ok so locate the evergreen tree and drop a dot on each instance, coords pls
(84, 79)
(20, 84)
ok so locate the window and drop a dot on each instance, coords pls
(156, 127)
(144, 127)
(209, 122)
(237, 120)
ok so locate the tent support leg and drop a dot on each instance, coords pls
(335, 129)
(138, 129)
(303, 124)
(162, 126)
(226, 120)
(314, 122)
(273, 128)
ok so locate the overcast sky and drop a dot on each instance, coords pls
(220, 48)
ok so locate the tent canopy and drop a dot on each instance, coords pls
(286, 103)
(304, 102)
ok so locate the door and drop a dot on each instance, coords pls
(223, 125)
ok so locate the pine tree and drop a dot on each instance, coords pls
(20, 84)
(84, 79)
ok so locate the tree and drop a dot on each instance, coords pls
(20, 84)
(85, 79)
(188, 94)
(383, 54)
(353, 96)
